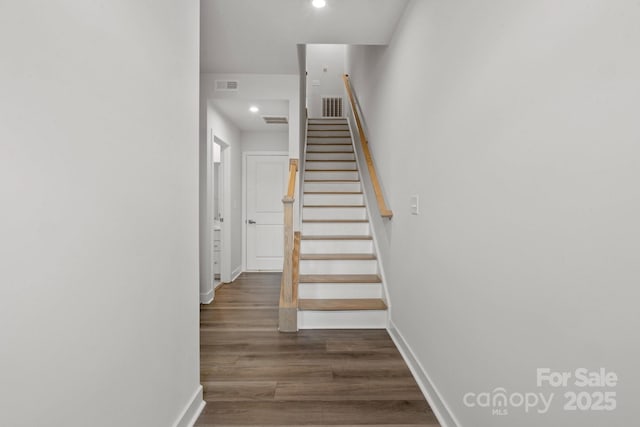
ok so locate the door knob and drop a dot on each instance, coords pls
(250, 221)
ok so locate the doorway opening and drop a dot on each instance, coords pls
(218, 209)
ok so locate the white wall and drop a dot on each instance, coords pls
(325, 67)
(516, 124)
(265, 141)
(302, 114)
(99, 212)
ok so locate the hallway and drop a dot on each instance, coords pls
(254, 375)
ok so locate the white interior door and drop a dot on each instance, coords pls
(266, 178)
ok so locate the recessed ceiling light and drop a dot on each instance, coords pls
(319, 3)
(254, 109)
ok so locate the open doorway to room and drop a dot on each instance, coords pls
(219, 243)
(216, 243)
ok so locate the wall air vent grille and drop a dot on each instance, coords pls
(332, 106)
(227, 85)
(273, 120)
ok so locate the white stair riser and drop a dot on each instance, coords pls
(329, 147)
(311, 165)
(339, 290)
(346, 175)
(337, 120)
(328, 141)
(336, 246)
(338, 266)
(334, 213)
(330, 156)
(333, 199)
(332, 186)
(356, 319)
(334, 133)
(335, 229)
(337, 126)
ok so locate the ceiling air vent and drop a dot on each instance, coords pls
(227, 85)
(273, 120)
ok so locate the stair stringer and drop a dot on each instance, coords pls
(377, 223)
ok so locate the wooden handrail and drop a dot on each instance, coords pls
(288, 316)
(385, 212)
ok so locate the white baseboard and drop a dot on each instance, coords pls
(207, 297)
(192, 411)
(235, 273)
(434, 398)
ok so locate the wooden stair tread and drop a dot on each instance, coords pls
(337, 257)
(336, 143)
(342, 304)
(329, 152)
(333, 206)
(333, 192)
(336, 237)
(339, 278)
(336, 220)
(331, 180)
(338, 160)
(331, 170)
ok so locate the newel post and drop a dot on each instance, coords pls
(288, 316)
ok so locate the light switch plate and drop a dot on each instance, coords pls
(414, 203)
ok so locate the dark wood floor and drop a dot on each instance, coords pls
(254, 375)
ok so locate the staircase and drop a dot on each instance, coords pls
(339, 283)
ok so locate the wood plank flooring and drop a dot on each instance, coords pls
(254, 375)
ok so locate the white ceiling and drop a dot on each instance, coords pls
(260, 36)
(237, 111)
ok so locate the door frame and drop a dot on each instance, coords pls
(225, 230)
(245, 155)
(207, 274)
